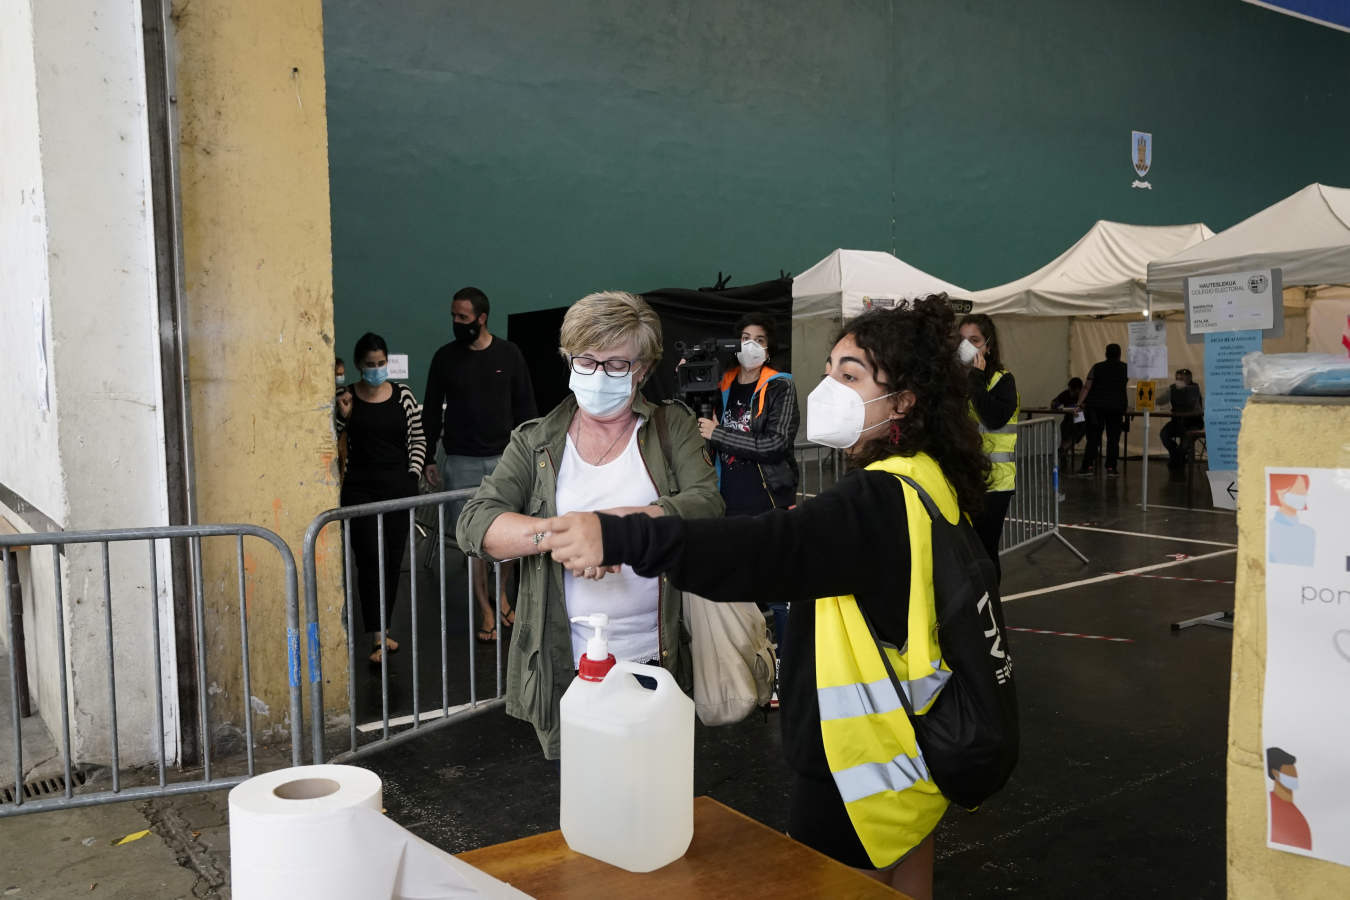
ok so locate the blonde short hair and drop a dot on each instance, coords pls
(611, 317)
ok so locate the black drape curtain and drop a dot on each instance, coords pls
(686, 315)
(697, 315)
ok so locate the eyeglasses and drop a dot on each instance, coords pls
(615, 368)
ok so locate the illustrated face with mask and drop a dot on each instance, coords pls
(466, 324)
(604, 381)
(374, 368)
(849, 403)
(754, 347)
(1296, 496)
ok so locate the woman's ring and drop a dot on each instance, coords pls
(588, 570)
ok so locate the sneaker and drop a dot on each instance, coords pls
(1112, 473)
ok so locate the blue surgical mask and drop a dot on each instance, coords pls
(376, 376)
(599, 394)
(1289, 781)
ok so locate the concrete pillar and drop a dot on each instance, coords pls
(1276, 431)
(80, 331)
(258, 264)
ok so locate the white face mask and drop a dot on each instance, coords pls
(341, 381)
(752, 355)
(1288, 781)
(599, 394)
(835, 414)
(1295, 501)
(966, 352)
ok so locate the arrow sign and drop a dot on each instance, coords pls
(1232, 490)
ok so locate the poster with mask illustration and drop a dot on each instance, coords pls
(1305, 731)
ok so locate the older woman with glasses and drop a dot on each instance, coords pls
(603, 448)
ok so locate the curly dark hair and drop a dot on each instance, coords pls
(913, 348)
(993, 360)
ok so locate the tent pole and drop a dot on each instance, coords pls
(1143, 455)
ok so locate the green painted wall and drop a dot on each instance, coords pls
(542, 150)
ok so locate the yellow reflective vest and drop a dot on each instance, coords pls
(999, 444)
(870, 745)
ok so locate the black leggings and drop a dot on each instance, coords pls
(989, 524)
(365, 543)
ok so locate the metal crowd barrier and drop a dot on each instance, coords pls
(1033, 514)
(396, 729)
(818, 467)
(207, 781)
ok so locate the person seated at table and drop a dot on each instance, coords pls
(894, 398)
(1072, 427)
(1188, 414)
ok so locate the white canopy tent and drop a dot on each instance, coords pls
(1307, 235)
(1103, 273)
(841, 286)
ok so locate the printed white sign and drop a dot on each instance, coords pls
(398, 366)
(1238, 301)
(1304, 729)
(1148, 350)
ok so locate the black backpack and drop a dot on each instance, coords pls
(969, 735)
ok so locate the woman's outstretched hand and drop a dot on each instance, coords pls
(575, 542)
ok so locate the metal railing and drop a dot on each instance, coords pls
(395, 729)
(818, 467)
(1033, 513)
(149, 615)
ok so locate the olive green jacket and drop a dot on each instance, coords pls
(539, 662)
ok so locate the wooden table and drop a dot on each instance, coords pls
(731, 856)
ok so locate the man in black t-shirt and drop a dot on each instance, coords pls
(484, 385)
(1103, 402)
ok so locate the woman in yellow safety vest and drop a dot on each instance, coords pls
(994, 403)
(894, 400)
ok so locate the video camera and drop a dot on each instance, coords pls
(699, 377)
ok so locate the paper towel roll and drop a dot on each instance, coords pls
(317, 833)
(290, 836)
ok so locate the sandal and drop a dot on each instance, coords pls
(509, 618)
(487, 635)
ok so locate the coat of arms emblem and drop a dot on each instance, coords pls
(1141, 156)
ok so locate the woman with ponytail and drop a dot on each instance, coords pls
(856, 561)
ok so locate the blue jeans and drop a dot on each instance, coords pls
(458, 472)
(780, 623)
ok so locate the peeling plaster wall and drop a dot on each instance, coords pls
(259, 323)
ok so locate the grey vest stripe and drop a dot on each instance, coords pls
(922, 690)
(873, 778)
(849, 700)
(1001, 457)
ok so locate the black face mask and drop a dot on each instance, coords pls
(466, 331)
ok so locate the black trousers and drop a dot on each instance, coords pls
(1172, 435)
(988, 524)
(365, 541)
(1113, 422)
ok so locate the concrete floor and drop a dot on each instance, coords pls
(1119, 792)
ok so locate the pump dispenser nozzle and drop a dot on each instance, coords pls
(597, 660)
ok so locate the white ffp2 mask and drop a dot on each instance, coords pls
(752, 355)
(835, 414)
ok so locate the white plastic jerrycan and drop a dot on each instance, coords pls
(627, 764)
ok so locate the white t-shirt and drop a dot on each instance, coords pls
(629, 600)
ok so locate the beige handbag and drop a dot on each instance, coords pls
(733, 661)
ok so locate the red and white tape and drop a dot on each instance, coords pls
(1073, 634)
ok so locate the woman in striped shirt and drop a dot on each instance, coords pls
(385, 452)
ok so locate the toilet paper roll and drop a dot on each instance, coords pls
(317, 833)
(291, 836)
